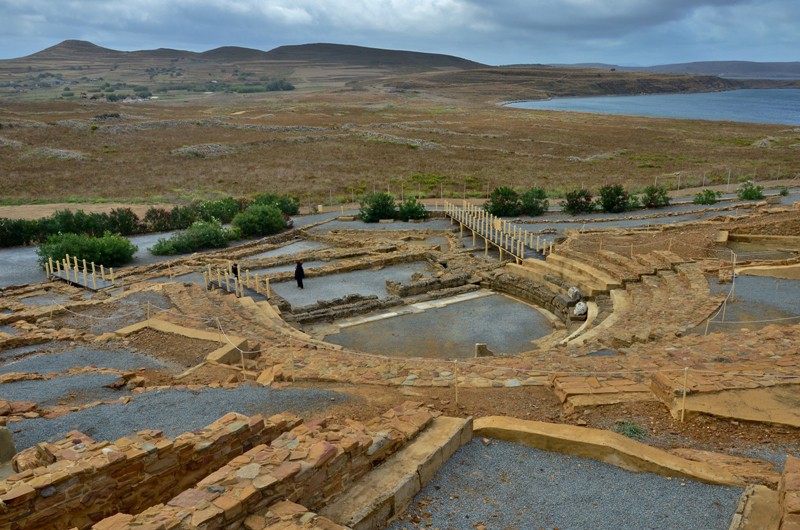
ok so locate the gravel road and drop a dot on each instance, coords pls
(83, 388)
(510, 486)
(173, 411)
(50, 363)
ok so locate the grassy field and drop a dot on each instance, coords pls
(345, 131)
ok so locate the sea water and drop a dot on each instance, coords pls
(751, 105)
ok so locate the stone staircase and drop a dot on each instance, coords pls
(659, 293)
(314, 467)
(388, 489)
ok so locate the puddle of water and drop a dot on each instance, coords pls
(505, 325)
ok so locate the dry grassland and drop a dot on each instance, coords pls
(326, 144)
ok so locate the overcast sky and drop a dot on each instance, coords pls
(625, 32)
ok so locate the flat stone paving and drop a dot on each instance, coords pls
(505, 325)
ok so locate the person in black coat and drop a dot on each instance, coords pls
(299, 274)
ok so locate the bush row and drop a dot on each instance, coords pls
(123, 221)
(377, 206)
(110, 250)
(257, 220)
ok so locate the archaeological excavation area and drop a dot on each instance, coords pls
(599, 371)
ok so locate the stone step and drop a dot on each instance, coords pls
(536, 276)
(631, 265)
(388, 489)
(653, 260)
(540, 268)
(619, 273)
(586, 270)
(670, 256)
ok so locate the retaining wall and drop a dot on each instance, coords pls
(91, 480)
(789, 494)
(309, 465)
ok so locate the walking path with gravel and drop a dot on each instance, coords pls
(510, 486)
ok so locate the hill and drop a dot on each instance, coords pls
(313, 54)
(730, 69)
(359, 55)
(75, 68)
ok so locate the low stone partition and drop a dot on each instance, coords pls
(789, 494)
(426, 286)
(84, 481)
(309, 465)
(347, 306)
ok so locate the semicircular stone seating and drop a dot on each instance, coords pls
(653, 294)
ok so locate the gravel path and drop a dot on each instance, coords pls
(81, 388)
(6, 355)
(49, 363)
(173, 411)
(510, 486)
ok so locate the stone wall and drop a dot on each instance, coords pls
(789, 494)
(309, 465)
(91, 480)
(532, 292)
(425, 286)
(348, 306)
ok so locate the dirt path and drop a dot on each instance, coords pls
(36, 211)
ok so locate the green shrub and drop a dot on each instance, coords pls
(503, 202)
(185, 216)
(748, 191)
(631, 430)
(534, 201)
(223, 210)
(784, 191)
(578, 201)
(377, 206)
(286, 203)
(158, 220)
(17, 232)
(655, 197)
(124, 221)
(706, 196)
(613, 198)
(260, 220)
(110, 250)
(200, 235)
(411, 209)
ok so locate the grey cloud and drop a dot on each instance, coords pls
(494, 31)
